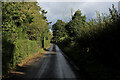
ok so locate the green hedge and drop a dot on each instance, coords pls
(46, 43)
(25, 48)
(14, 53)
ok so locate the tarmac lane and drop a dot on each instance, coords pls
(55, 66)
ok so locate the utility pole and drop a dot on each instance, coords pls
(71, 12)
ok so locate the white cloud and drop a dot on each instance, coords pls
(78, 0)
(61, 10)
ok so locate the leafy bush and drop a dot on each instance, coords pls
(15, 53)
(94, 45)
(25, 48)
(23, 30)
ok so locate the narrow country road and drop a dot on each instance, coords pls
(55, 65)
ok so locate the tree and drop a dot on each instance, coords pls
(59, 31)
(21, 21)
(78, 21)
(114, 14)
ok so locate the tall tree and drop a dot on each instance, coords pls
(78, 21)
(59, 31)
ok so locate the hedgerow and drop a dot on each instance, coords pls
(25, 32)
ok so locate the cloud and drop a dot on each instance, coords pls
(62, 10)
(78, 0)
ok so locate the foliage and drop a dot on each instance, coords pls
(78, 21)
(59, 31)
(23, 31)
(94, 45)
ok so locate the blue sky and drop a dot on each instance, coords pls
(62, 10)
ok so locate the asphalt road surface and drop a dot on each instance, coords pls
(55, 65)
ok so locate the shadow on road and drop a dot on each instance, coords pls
(46, 49)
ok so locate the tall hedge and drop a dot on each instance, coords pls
(24, 25)
(95, 46)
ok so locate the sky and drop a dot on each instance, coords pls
(78, 0)
(62, 10)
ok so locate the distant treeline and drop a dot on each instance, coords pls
(93, 45)
(24, 31)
